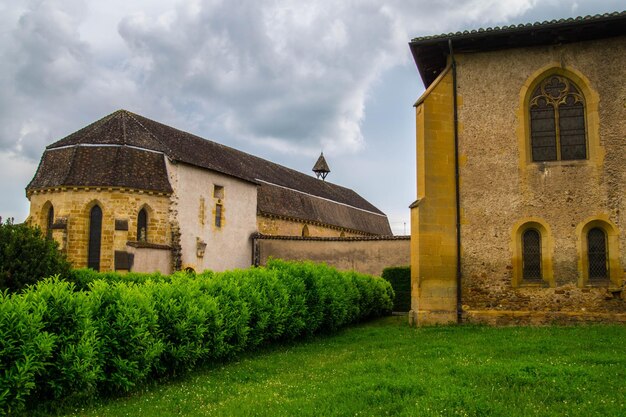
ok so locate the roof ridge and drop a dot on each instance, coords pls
(155, 137)
(322, 198)
(231, 149)
(89, 129)
(72, 163)
(520, 26)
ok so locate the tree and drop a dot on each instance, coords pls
(26, 256)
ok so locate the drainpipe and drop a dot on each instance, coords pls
(459, 292)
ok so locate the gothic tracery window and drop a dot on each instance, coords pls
(557, 121)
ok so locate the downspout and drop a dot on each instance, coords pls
(459, 291)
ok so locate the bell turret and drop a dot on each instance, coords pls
(321, 167)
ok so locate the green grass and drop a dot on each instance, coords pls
(387, 368)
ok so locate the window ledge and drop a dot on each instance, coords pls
(561, 163)
(533, 284)
(598, 284)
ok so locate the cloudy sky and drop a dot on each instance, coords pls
(281, 79)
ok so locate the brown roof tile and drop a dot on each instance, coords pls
(86, 157)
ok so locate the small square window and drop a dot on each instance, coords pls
(218, 191)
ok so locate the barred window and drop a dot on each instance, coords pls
(557, 121)
(531, 255)
(597, 253)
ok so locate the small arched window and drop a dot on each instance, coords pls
(597, 254)
(305, 231)
(95, 238)
(531, 255)
(142, 225)
(557, 121)
(50, 221)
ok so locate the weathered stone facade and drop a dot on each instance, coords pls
(128, 193)
(279, 226)
(207, 242)
(503, 192)
(368, 255)
(502, 189)
(72, 207)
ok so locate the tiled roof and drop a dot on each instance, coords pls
(431, 52)
(331, 239)
(86, 166)
(523, 26)
(125, 149)
(285, 202)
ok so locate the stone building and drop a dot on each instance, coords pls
(521, 171)
(129, 193)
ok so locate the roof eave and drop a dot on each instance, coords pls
(430, 53)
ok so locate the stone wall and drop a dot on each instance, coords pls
(369, 255)
(72, 208)
(502, 189)
(433, 215)
(275, 226)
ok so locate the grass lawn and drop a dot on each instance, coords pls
(387, 368)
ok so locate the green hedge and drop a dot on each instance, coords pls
(400, 279)
(104, 334)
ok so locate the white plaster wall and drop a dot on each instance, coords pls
(227, 247)
(151, 260)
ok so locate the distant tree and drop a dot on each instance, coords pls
(26, 256)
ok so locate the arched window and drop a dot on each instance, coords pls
(142, 225)
(531, 255)
(597, 254)
(95, 238)
(50, 221)
(305, 231)
(557, 120)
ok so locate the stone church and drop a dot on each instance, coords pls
(129, 193)
(520, 214)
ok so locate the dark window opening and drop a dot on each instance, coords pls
(218, 191)
(305, 231)
(557, 121)
(95, 237)
(531, 255)
(142, 225)
(597, 253)
(50, 222)
(218, 215)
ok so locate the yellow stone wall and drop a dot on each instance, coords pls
(433, 216)
(273, 226)
(503, 192)
(74, 204)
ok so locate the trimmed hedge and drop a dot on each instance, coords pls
(400, 279)
(104, 334)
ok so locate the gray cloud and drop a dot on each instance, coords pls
(272, 76)
(284, 74)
